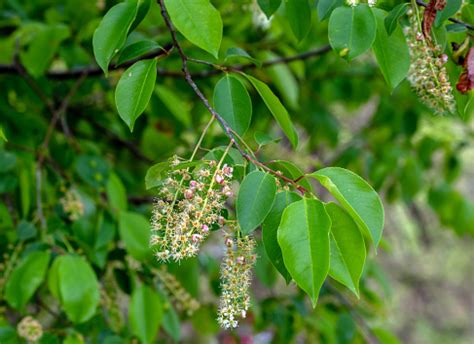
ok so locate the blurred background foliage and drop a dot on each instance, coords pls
(67, 196)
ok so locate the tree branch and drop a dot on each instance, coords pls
(227, 129)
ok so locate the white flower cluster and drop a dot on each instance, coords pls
(30, 329)
(72, 205)
(427, 73)
(189, 204)
(236, 277)
(354, 3)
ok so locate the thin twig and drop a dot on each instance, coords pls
(227, 129)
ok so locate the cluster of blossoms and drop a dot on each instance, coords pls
(30, 329)
(189, 204)
(235, 280)
(181, 298)
(72, 205)
(427, 73)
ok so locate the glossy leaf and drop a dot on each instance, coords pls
(178, 107)
(137, 49)
(452, 7)
(142, 9)
(198, 21)
(255, 200)
(352, 30)
(276, 108)
(356, 196)
(347, 248)
(78, 288)
(284, 80)
(110, 35)
(291, 171)
(269, 6)
(270, 227)
(298, 14)
(26, 278)
(116, 193)
(391, 52)
(303, 236)
(134, 90)
(145, 313)
(392, 19)
(235, 52)
(134, 230)
(325, 7)
(232, 102)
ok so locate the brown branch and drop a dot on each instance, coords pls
(227, 129)
(452, 20)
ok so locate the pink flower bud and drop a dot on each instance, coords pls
(193, 184)
(205, 229)
(227, 191)
(188, 194)
(240, 260)
(228, 242)
(219, 179)
(444, 58)
(196, 238)
(221, 220)
(227, 170)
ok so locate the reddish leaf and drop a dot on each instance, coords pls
(430, 15)
(466, 79)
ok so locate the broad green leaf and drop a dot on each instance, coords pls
(276, 108)
(264, 139)
(241, 53)
(303, 236)
(155, 174)
(26, 278)
(199, 21)
(269, 6)
(347, 248)
(138, 49)
(452, 6)
(391, 20)
(255, 200)
(270, 227)
(292, 171)
(110, 35)
(352, 30)
(233, 103)
(263, 268)
(134, 90)
(78, 288)
(134, 230)
(145, 313)
(325, 7)
(171, 323)
(356, 196)
(116, 193)
(43, 47)
(176, 105)
(284, 81)
(467, 13)
(298, 14)
(391, 52)
(142, 9)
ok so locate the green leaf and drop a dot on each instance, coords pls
(134, 230)
(155, 174)
(43, 47)
(235, 52)
(270, 227)
(171, 323)
(298, 14)
(2, 135)
(110, 35)
(347, 248)
(391, 52)
(142, 9)
(116, 193)
(233, 103)
(145, 313)
(26, 278)
(352, 30)
(269, 6)
(303, 236)
(292, 171)
(78, 288)
(198, 21)
(255, 200)
(391, 20)
(137, 49)
(452, 6)
(276, 108)
(175, 104)
(325, 7)
(356, 196)
(264, 139)
(134, 90)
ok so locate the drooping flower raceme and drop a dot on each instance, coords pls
(236, 277)
(427, 73)
(189, 204)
